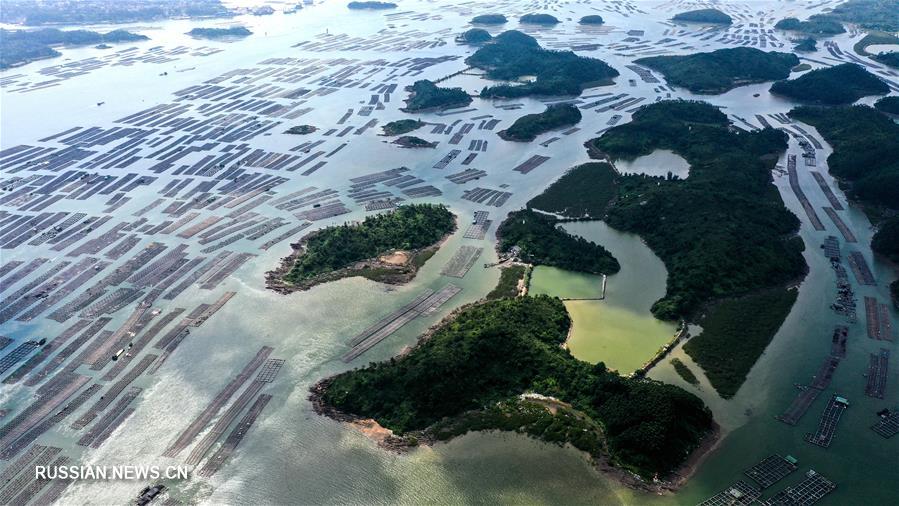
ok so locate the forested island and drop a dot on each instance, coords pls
(301, 130)
(886, 239)
(723, 233)
(888, 105)
(426, 96)
(387, 247)
(583, 192)
(371, 5)
(474, 36)
(704, 16)
(470, 371)
(402, 126)
(89, 12)
(220, 33)
(489, 19)
(593, 19)
(410, 141)
(818, 24)
(540, 241)
(18, 47)
(865, 154)
(723, 69)
(891, 59)
(529, 126)
(837, 85)
(539, 19)
(806, 45)
(513, 54)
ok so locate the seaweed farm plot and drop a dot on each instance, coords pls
(462, 261)
(771, 470)
(811, 490)
(827, 427)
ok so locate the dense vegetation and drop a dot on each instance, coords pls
(870, 14)
(22, 46)
(735, 332)
(542, 242)
(874, 38)
(489, 19)
(723, 69)
(220, 33)
(593, 19)
(492, 352)
(704, 16)
(890, 59)
(301, 130)
(513, 54)
(508, 282)
(865, 150)
(539, 19)
(807, 45)
(724, 230)
(409, 227)
(840, 84)
(684, 372)
(410, 141)
(888, 104)
(818, 25)
(583, 192)
(66, 12)
(426, 95)
(886, 239)
(475, 36)
(529, 126)
(371, 5)
(402, 126)
(894, 293)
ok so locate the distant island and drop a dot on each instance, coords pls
(489, 19)
(806, 45)
(90, 12)
(220, 33)
(539, 19)
(402, 126)
(387, 247)
(513, 54)
(528, 127)
(409, 141)
(538, 240)
(888, 104)
(301, 130)
(723, 69)
(817, 25)
(19, 47)
(593, 19)
(869, 14)
(837, 85)
(426, 96)
(371, 5)
(704, 16)
(500, 365)
(474, 36)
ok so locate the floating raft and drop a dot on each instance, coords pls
(461, 263)
(827, 427)
(240, 431)
(808, 492)
(888, 426)
(771, 470)
(738, 494)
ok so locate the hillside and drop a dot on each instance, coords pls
(427, 96)
(704, 16)
(837, 85)
(529, 126)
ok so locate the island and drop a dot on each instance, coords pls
(426, 96)
(535, 238)
(401, 126)
(713, 16)
(529, 126)
(234, 32)
(593, 19)
(749, 250)
(489, 19)
(371, 5)
(890, 59)
(474, 36)
(388, 247)
(888, 105)
(539, 19)
(500, 365)
(18, 47)
(722, 70)
(512, 55)
(837, 85)
(806, 45)
(91, 12)
(865, 154)
(409, 141)
(817, 25)
(301, 130)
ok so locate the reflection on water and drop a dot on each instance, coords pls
(660, 162)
